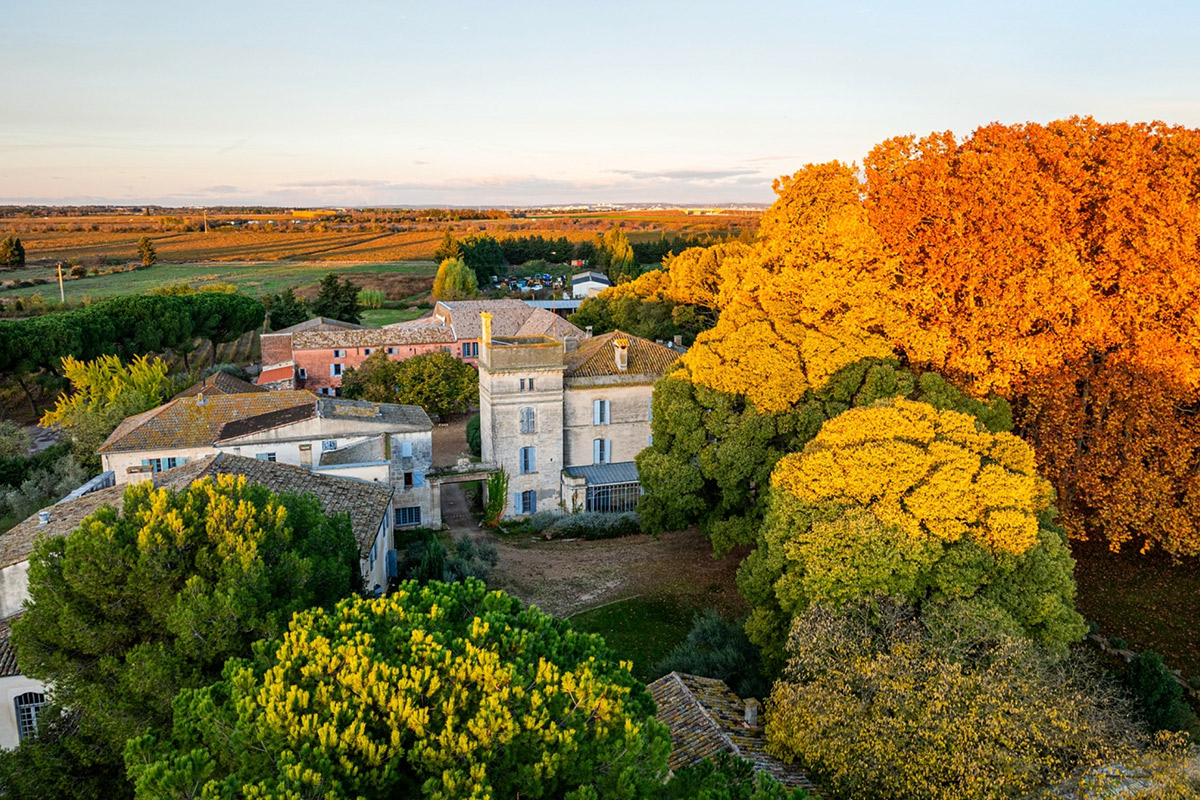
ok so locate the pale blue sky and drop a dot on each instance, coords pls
(356, 103)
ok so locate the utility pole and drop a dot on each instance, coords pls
(206, 219)
(62, 295)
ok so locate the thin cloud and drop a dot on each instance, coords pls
(685, 174)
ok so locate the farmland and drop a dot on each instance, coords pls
(397, 280)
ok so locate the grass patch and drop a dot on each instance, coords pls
(1144, 599)
(643, 629)
(253, 279)
(378, 317)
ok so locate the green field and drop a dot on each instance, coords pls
(642, 629)
(252, 278)
(378, 317)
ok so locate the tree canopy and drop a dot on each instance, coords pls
(454, 281)
(906, 500)
(437, 382)
(948, 705)
(103, 392)
(337, 300)
(286, 310)
(146, 252)
(134, 605)
(439, 691)
(12, 252)
(1038, 262)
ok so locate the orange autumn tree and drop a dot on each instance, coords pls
(1058, 265)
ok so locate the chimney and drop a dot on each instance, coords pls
(588, 332)
(679, 340)
(44, 517)
(200, 399)
(751, 713)
(621, 353)
(570, 343)
(486, 320)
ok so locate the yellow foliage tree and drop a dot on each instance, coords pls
(904, 499)
(806, 304)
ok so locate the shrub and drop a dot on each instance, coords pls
(718, 648)
(79, 271)
(593, 525)
(1158, 696)
(370, 298)
(474, 437)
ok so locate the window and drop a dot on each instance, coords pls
(408, 480)
(173, 462)
(650, 408)
(599, 412)
(474, 349)
(601, 451)
(339, 353)
(303, 372)
(391, 351)
(27, 706)
(374, 548)
(408, 516)
(528, 419)
(155, 464)
(368, 350)
(329, 444)
(522, 384)
(528, 460)
(335, 370)
(525, 502)
(531, 384)
(650, 440)
(265, 456)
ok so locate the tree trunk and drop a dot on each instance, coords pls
(28, 394)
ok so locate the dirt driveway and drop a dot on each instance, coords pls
(565, 577)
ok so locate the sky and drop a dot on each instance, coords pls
(530, 103)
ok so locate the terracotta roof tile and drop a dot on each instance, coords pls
(366, 502)
(186, 422)
(372, 337)
(220, 383)
(317, 324)
(594, 358)
(706, 718)
(8, 654)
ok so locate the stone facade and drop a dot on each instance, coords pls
(548, 406)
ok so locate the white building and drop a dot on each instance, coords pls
(375, 442)
(566, 419)
(588, 284)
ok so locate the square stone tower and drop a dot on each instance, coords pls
(521, 416)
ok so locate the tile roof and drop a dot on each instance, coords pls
(547, 323)
(366, 502)
(220, 383)
(265, 422)
(706, 718)
(272, 374)
(584, 277)
(393, 414)
(594, 357)
(8, 654)
(317, 324)
(602, 474)
(398, 334)
(185, 422)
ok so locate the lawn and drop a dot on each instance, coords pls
(252, 278)
(1144, 599)
(378, 317)
(643, 629)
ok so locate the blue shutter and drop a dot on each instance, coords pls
(608, 454)
(595, 412)
(332, 374)
(418, 479)
(532, 502)
(517, 503)
(596, 451)
(406, 449)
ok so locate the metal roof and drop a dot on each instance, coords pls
(603, 474)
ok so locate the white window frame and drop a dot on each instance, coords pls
(391, 351)
(408, 516)
(338, 353)
(26, 707)
(265, 456)
(303, 372)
